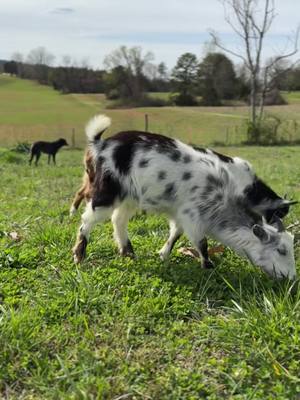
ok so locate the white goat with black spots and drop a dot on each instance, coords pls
(202, 192)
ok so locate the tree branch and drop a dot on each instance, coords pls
(217, 43)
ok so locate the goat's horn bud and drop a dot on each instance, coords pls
(292, 202)
(277, 222)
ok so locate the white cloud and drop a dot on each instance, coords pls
(62, 10)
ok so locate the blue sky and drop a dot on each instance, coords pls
(90, 29)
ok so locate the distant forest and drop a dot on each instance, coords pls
(129, 76)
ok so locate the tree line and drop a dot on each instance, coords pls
(69, 77)
(129, 81)
(130, 74)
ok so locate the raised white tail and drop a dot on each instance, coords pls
(96, 126)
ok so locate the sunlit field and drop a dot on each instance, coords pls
(30, 112)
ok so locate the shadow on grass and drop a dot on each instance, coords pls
(232, 279)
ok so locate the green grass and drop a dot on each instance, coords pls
(292, 97)
(30, 112)
(117, 328)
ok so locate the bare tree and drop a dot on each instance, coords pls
(134, 63)
(17, 57)
(131, 58)
(39, 60)
(272, 71)
(151, 71)
(251, 21)
(66, 60)
(84, 63)
(40, 56)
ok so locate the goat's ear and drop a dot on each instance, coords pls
(291, 202)
(286, 202)
(277, 223)
(259, 232)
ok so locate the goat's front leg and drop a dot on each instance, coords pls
(89, 218)
(120, 219)
(174, 234)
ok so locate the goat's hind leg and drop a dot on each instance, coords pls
(203, 250)
(79, 196)
(119, 219)
(89, 218)
(195, 233)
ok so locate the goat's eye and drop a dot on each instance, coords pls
(282, 252)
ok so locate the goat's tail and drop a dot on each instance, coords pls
(96, 126)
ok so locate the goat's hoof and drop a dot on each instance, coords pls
(127, 254)
(72, 211)
(163, 256)
(79, 250)
(78, 257)
(127, 251)
(207, 264)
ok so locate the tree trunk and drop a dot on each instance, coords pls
(253, 99)
(253, 106)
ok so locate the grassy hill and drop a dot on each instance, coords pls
(29, 111)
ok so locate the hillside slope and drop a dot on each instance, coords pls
(29, 111)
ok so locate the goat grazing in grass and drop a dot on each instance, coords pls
(201, 191)
(50, 148)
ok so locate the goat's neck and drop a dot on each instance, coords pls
(240, 240)
(234, 228)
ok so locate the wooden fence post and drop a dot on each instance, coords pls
(73, 138)
(227, 136)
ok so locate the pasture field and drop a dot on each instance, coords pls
(292, 97)
(29, 112)
(116, 328)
